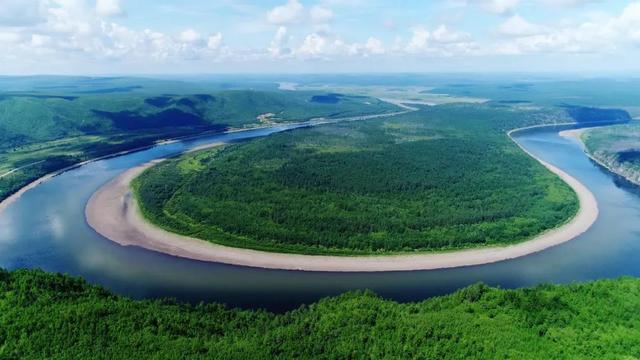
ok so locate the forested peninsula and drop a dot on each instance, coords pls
(442, 178)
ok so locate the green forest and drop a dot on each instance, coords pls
(55, 316)
(444, 177)
(47, 124)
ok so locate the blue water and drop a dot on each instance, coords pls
(46, 229)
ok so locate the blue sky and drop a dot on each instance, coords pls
(282, 36)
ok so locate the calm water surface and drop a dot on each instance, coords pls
(46, 229)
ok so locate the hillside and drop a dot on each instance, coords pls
(55, 126)
(55, 316)
(27, 118)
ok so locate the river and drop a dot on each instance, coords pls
(45, 228)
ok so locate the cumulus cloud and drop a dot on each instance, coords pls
(326, 46)
(289, 13)
(374, 46)
(501, 7)
(419, 41)
(190, 36)
(215, 41)
(320, 15)
(566, 3)
(278, 45)
(10, 37)
(518, 26)
(87, 31)
(444, 34)
(78, 30)
(108, 8)
(314, 45)
(22, 13)
(443, 41)
(607, 34)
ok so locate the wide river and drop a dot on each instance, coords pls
(46, 229)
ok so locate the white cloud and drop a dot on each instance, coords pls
(374, 46)
(501, 7)
(108, 8)
(40, 40)
(72, 34)
(443, 41)
(10, 37)
(76, 32)
(566, 3)
(419, 41)
(215, 41)
(313, 45)
(278, 44)
(328, 47)
(604, 35)
(320, 15)
(443, 34)
(22, 13)
(289, 13)
(518, 26)
(190, 36)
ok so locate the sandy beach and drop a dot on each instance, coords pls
(113, 212)
(572, 134)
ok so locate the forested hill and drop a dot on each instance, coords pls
(54, 316)
(49, 129)
(31, 117)
(582, 114)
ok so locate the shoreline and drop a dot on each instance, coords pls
(113, 212)
(6, 202)
(576, 134)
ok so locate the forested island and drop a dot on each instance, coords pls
(444, 177)
(56, 316)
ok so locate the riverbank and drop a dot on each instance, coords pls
(576, 135)
(113, 212)
(6, 202)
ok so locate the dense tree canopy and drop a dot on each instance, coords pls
(445, 177)
(54, 316)
(42, 133)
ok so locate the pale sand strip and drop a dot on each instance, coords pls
(113, 212)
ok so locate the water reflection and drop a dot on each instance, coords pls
(46, 229)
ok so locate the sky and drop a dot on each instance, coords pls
(318, 36)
